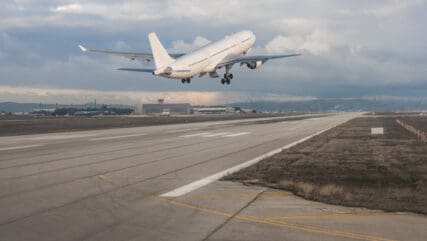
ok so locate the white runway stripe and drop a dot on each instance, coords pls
(207, 180)
(117, 137)
(197, 134)
(217, 134)
(238, 134)
(182, 130)
(220, 134)
(54, 137)
(19, 147)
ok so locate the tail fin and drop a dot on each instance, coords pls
(161, 57)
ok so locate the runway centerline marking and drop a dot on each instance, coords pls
(117, 137)
(59, 137)
(19, 147)
(182, 130)
(197, 134)
(212, 178)
(238, 134)
(217, 134)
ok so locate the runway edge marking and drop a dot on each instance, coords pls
(212, 178)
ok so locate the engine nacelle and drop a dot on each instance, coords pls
(254, 65)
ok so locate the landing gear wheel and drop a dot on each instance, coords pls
(223, 81)
(228, 81)
(228, 76)
(187, 80)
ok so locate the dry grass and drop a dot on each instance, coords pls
(348, 166)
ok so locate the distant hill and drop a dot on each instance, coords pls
(322, 105)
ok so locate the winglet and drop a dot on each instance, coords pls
(82, 48)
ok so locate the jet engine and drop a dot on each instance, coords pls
(254, 65)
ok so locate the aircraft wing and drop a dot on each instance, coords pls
(129, 55)
(249, 59)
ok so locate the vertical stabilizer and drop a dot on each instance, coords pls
(161, 56)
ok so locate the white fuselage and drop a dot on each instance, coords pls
(205, 59)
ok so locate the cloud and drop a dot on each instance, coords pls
(392, 8)
(128, 10)
(297, 25)
(122, 45)
(349, 46)
(318, 42)
(183, 47)
(71, 8)
(123, 13)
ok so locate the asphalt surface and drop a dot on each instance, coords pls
(108, 185)
(11, 125)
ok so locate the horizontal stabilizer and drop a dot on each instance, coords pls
(137, 70)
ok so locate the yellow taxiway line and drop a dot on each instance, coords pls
(274, 221)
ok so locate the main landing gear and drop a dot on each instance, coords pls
(186, 80)
(227, 78)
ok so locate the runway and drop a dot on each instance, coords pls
(108, 185)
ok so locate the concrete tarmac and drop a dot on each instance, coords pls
(107, 185)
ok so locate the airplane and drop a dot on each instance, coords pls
(223, 53)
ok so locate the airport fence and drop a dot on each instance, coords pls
(419, 133)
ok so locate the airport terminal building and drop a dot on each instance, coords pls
(173, 108)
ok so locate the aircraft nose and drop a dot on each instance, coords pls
(253, 36)
(250, 34)
(246, 33)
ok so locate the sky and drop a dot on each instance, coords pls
(351, 49)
